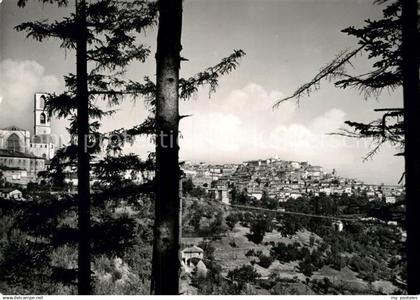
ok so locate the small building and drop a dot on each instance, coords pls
(337, 191)
(257, 194)
(390, 199)
(325, 190)
(295, 194)
(338, 225)
(295, 165)
(192, 262)
(11, 194)
(220, 194)
(348, 190)
(20, 161)
(16, 176)
(314, 172)
(192, 252)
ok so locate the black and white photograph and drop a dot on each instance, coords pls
(209, 147)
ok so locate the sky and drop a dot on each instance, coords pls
(286, 43)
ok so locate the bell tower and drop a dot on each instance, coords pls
(42, 122)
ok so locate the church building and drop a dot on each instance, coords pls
(22, 156)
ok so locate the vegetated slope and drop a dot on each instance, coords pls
(232, 249)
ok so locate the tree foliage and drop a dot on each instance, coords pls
(258, 227)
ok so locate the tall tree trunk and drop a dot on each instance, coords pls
(84, 284)
(166, 251)
(410, 70)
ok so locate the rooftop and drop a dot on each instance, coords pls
(9, 153)
(193, 249)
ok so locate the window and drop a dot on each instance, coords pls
(42, 102)
(13, 143)
(42, 118)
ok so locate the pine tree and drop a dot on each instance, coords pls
(83, 161)
(166, 261)
(103, 33)
(169, 89)
(411, 94)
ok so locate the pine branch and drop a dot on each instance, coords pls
(66, 31)
(388, 129)
(210, 76)
(333, 69)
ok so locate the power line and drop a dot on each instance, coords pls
(295, 213)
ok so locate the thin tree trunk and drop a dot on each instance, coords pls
(410, 70)
(84, 284)
(166, 260)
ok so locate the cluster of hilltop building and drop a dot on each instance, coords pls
(22, 155)
(281, 179)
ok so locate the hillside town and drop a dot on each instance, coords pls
(281, 180)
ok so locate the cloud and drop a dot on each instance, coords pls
(253, 103)
(310, 141)
(216, 132)
(18, 82)
(243, 125)
(329, 121)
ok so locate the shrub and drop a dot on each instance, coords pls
(244, 274)
(259, 226)
(231, 220)
(265, 261)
